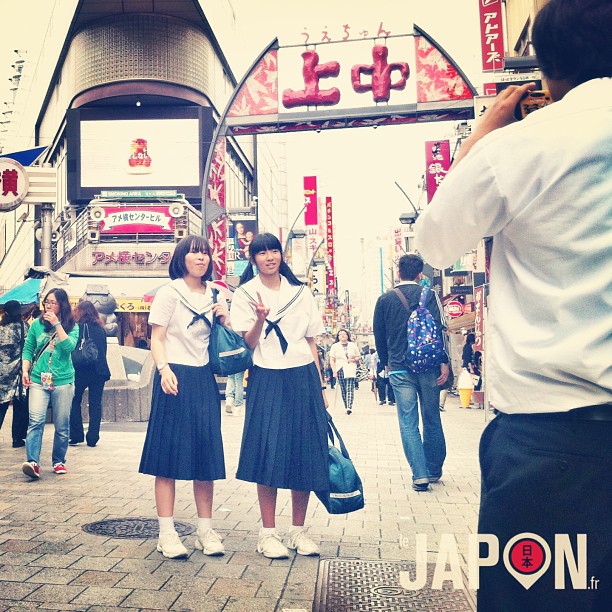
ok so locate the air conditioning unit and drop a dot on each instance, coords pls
(93, 236)
(180, 233)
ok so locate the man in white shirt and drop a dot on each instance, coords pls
(542, 187)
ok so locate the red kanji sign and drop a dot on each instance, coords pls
(14, 184)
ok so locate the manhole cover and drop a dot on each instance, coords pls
(133, 528)
(352, 585)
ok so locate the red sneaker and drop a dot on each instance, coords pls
(31, 469)
(59, 468)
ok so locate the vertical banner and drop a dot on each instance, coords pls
(329, 242)
(479, 318)
(310, 200)
(491, 35)
(437, 162)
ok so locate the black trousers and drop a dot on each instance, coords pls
(19, 428)
(546, 476)
(385, 390)
(95, 384)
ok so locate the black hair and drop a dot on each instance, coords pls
(65, 311)
(189, 244)
(572, 40)
(410, 266)
(346, 331)
(86, 313)
(470, 338)
(260, 244)
(12, 312)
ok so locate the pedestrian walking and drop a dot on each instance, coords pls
(234, 394)
(13, 331)
(541, 188)
(48, 372)
(344, 356)
(284, 442)
(183, 440)
(425, 453)
(92, 376)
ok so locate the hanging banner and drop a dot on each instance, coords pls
(330, 276)
(491, 35)
(479, 318)
(310, 200)
(437, 162)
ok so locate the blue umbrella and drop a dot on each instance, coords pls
(26, 293)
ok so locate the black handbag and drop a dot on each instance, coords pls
(86, 352)
(345, 489)
(227, 350)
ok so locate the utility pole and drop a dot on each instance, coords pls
(46, 220)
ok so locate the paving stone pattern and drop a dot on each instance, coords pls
(48, 562)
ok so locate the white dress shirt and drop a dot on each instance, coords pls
(542, 188)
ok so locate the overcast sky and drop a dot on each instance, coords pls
(356, 167)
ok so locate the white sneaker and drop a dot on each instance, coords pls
(238, 410)
(270, 545)
(209, 543)
(170, 545)
(302, 544)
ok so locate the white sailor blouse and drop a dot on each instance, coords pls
(293, 317)
(187, 316)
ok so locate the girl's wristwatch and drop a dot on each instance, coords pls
(161, 365)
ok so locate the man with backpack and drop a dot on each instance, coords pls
(408, 324)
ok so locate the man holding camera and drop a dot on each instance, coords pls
(542, 188)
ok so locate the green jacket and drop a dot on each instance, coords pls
(61, 363)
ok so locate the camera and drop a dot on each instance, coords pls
(532, 101)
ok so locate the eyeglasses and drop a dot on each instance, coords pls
(49, 303)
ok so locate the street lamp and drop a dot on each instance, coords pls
(294, 234)
(409, 217)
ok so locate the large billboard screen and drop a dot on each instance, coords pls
(161, 148)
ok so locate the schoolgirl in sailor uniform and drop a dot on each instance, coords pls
(284, 442)
(183, 439)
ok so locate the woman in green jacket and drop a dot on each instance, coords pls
(51, 340)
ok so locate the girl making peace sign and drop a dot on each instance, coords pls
(284, 442)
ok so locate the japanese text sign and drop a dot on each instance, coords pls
(14, 184)
(134, 220)
(437, 160)
(491, 34)
(479, 320)
(310, 200)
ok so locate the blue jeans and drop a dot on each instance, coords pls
(61, 400)
(235, 388)
(425, 455)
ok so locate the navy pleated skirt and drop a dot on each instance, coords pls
(284, 441)
(184, 433)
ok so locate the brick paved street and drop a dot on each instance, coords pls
(47, 562)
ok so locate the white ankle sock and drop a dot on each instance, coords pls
(204, 524)
(267, 530)
(166, 524)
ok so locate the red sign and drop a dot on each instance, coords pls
(135, 220)
(437, 160)
(310, 200)
(489, 89)
(491, 34)
(332, 290)
(454, 309)
(478, 319)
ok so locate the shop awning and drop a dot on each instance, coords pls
(25, 293)
(26, 157)
(465, 321)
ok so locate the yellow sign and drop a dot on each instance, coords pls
(124, 304)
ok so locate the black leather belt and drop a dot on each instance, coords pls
(601, 412)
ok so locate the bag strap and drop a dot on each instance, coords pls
(86, 335)
(331, 429)
(402, 298)
(43, 349)
(424, 296)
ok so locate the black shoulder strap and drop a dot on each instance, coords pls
(402, 298)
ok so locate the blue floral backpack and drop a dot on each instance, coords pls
(425, 345)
